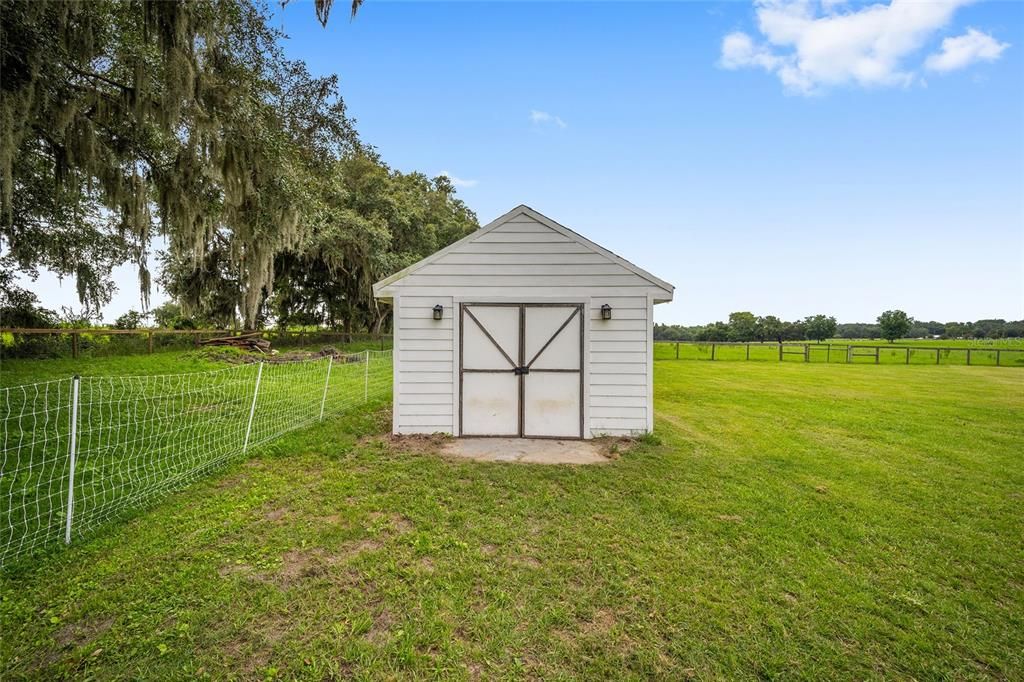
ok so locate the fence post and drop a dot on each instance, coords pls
(677, 350)
(780, 351)
(807, 352)
(149, 343)
(968, 357)
(938, 352)
(74, 345)
(908, 355)
(828, 354)
(252, 410)
(712, 351)
(748, 351)
(999, 352)
(327, 382)
(877, 350)
(366, 377)
(72, 451)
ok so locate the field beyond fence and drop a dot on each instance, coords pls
(849, 353)
(100, 342)
(79, 451)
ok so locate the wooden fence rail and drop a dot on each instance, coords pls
(196, 336)
(851, 351)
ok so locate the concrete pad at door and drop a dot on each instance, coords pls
(526, 450)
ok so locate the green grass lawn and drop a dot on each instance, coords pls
(16, 371)
(941, 343)
(100, 346)
(141, 434)
(812, 521)
(1007, 352)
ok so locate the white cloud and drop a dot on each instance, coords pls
(540, 118)
(738, 50)
(459, 182)
(811, 45)
(962, 51)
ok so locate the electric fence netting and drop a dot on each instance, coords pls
(75, 453)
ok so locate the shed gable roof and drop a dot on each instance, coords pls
(383, 288)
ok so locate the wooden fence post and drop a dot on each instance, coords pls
(780, 351)
(149, 343)
(677, 350)
(938, 352)
(877, 350)
(999, 352)
(908, 355)
(807, 352)
(74, 345)
(968, 357)
(748, 351)
(712, 352)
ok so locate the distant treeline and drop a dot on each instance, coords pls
(745, 326)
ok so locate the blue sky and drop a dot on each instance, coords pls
(782, 158)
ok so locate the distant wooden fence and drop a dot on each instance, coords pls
(76, 339)
(849, 352)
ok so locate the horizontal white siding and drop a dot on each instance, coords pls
(519, 269)
(574, 258)
(616, 391)
(533, 288)
(524, 258)
(618, 403)
(423, 371)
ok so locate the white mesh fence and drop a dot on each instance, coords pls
(68, 465)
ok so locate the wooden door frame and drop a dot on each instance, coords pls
(581, 310)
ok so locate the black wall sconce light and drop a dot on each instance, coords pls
(606, 312)
(438, 311)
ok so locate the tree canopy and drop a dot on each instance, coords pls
(894, 324)
(121, 121)
(822, 327)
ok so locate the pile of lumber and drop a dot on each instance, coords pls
(252, 341)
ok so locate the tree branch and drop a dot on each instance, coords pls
(90, 74)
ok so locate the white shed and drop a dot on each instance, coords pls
(523, 328)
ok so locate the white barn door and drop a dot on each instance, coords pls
(553, 388)
(521, 370)
(489, 354)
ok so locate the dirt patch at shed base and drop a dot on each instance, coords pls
(527, 450)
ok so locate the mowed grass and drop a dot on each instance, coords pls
(941, 343)
(17, 371)
(1005, 352)
(139, 437)
(811, 521)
